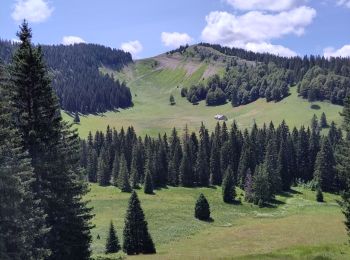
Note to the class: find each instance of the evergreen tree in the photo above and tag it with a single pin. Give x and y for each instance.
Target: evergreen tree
(103, 171)
(283, 166)
(148, 185)
(228, 186)
(325, 167)
(134, 174)
(261, 185)
(202, 165)
(319, 195)
(323, 121)
(115, 170)
(54, 152)
(186, 174)
(215, 171)
(22, 222)
(202, 208)
(248, 187)
(343, 164)
(172, 100)
(135, 235)
(270, 166)
(123, 176)
(112, 243)
(76, 118)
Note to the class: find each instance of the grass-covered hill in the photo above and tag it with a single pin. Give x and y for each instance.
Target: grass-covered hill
(153, 80)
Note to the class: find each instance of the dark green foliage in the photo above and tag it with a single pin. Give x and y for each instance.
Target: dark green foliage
(134, 173)
(248, 187)
(135, 235)
(103, 169)
(202, 209)
(228, 186)
(123, 176)
(76, 118)
(324, 173)
(148, 184)
(172, 100)
(22, 222)
(345, 205)
(261, 185)
(76, 77)
(54, 152)
(319, 195)
(323, 121)
(186, 169)
(115, 170)
(112, 243)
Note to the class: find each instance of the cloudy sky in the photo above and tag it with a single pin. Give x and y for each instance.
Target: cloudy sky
(149, 27)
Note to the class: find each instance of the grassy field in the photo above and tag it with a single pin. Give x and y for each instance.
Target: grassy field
(152, 84)
(296, 227)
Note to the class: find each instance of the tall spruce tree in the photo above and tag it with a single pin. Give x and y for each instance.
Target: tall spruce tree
(103, 169)
(112, 243)
(261, 186)
(123, 176)
(22, 222)
(202, 165)
(186, 170)
(135, 235)
(343, 163)
(202, 208)
(325, 167)
(148, 183)
(228, 186)
(54, 152)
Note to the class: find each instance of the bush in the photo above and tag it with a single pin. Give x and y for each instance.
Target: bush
(202, 209)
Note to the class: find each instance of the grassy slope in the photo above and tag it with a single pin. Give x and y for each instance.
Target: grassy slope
(297, 227)
(152, 84)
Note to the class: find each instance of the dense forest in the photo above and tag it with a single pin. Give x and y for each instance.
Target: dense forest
(273, 155)
(76, 78)
(269, 76)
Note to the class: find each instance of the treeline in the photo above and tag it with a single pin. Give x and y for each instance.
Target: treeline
(76, 78)
(276, 155)
(270, 76)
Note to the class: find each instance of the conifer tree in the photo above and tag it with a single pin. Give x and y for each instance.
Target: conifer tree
(148, 184)
(22, 222)
(343, 163)
(248, 187)
(112, 243)
(186, 173)
(103, 170)
(123, 176)
(319, 195)
(202, 208)
(325, 167)
(228, 186)
(261, 185)
(115, 170)
(202, 165)
(270, 166)
(134, 174)
(54, 152)
(172, 100)
(135, 235)
(76, 118)
(323, 121)
(215, 169)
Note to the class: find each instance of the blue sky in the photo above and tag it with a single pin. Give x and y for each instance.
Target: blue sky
(149, 27)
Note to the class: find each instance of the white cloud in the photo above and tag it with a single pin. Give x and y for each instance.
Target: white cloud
(133, 47)
(268, 5)
(345, 3)
(175, 39)
(70, 40)
(35, 11)
(254, 30)
(342, 52)
(264, 47)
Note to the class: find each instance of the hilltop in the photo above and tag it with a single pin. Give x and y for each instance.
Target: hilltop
(153, 80)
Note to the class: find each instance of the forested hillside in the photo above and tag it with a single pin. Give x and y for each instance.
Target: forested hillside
(76, 77)
(269, 76)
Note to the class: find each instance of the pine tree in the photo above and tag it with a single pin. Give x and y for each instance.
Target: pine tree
(202, 208)
(134, 174)
(112, 243)
(22, 222)
(270, 165)
(215, 171)
(319, 195)
(325, 167)
(248, 187)
(228, 186)
(323, 121)
(76, 118)
(261, 185)
(343, 164)
(54, 152)
(186, 173)
(202, 165)
(148, 185)
(115, 170)
(103, 170)
(135, 235)
(123, 176)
